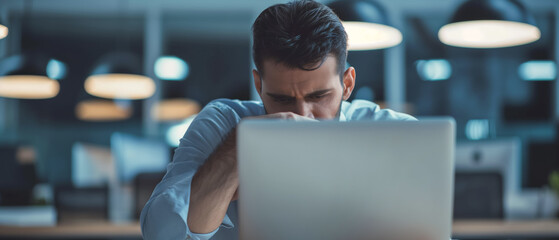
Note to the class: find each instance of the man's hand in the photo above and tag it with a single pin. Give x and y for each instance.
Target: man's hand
(216, 183)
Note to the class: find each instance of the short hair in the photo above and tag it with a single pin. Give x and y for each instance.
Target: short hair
(299, 34)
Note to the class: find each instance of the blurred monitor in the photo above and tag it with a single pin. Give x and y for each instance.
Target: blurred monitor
(92, 166)
(496, 155)
(485, 164)
(17, 175)
(134, 155)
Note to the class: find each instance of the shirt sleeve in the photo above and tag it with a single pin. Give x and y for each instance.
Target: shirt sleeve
(165, 214)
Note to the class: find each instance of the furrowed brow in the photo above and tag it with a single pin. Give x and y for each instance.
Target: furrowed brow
(280, 96)
(319, 92)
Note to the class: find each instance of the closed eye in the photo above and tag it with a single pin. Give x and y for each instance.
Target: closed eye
(317, 97)
(284, 100)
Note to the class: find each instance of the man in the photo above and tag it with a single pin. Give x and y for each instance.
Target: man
(300, 50)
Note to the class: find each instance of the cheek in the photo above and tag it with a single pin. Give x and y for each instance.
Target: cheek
(328, 108)
(272, 106)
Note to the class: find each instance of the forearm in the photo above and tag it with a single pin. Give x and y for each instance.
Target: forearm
(213, 188)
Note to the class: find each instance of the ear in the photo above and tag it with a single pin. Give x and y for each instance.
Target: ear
(257, 82)
(348, 82)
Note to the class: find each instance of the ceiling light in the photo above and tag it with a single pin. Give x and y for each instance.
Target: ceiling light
(3, 31)
(24, 77)
(118, 77)
(490, 24)
(366, 25)
(56, 69)
(171, 68)
(102, 110)
(538, 70)
(175, 109)
(477, 129)
(434, 69)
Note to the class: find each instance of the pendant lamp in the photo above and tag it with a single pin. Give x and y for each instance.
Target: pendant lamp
(25, 77)
(174, 106)
(102, 110)
(366, 24)
(490, 24)
(175, 109)
(117, 76)
(3, 30)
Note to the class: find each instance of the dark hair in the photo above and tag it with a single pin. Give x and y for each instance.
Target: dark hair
(299, 34)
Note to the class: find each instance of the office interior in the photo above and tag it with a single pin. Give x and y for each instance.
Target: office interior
(77, 156)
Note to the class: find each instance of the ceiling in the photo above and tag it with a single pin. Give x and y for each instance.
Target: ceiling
(112, 7)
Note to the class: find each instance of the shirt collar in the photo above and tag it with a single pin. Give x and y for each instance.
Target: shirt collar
(342, 117)
(343, 107)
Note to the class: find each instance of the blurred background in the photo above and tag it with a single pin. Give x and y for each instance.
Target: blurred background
(122, 80)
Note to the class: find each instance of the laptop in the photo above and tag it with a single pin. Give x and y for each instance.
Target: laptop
(346, 180)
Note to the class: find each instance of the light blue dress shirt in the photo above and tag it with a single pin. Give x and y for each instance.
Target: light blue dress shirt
(164, 216)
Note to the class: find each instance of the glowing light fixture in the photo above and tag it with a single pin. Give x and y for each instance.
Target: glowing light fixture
(102, 110)
(120, 86)
(171, 68)
(366, 25)
(24, 77)
(3, 31)
(477, 129)
(538, 71)
(175, 109)
(175, 133)
(434, 69)
(56, 69)
(118, 77)
(490, 24)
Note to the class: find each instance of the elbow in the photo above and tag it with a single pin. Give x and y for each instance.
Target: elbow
(161, 221)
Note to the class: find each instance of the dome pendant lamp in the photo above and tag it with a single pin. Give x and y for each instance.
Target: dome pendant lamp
(490, 24)
(3, 30)
(25, 77)
(175, 109)
(117, 76)
(174, 106)
(366, 25)
(102, 110)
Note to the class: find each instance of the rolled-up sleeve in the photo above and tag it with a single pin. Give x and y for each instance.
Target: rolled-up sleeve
(165, 214)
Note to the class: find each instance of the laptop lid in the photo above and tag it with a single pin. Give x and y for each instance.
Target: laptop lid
(346, 180)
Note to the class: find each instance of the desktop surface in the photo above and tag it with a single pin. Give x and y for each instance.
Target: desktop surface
(461, 229)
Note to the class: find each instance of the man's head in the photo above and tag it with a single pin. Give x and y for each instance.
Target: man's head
(300, 51)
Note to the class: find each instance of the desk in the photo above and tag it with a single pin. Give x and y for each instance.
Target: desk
(483, 229)
(92, 230)
(495, 229)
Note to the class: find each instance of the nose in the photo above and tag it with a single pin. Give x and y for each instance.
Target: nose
(304, 109)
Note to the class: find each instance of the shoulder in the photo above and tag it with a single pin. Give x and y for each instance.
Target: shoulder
(367, 110)
(233, 107)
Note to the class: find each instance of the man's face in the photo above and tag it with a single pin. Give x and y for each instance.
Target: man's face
(315, 94)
